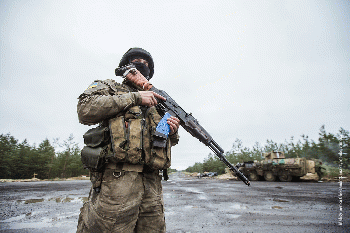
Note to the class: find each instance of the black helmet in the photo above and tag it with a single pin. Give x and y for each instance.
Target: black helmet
(138, 53)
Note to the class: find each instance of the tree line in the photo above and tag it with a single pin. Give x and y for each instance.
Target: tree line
(327, 148)
(19, 160)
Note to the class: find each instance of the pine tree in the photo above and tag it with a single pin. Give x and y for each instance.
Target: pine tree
(8, 151)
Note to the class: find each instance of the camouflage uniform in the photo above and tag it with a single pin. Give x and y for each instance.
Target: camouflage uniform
(130, 197)
(319, 171)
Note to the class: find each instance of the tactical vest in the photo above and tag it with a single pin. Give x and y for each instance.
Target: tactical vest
(131, 133)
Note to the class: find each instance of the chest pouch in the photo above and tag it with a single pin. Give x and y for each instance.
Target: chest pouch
(126, 136)
(160, 135)
(156, 143)
(93, 155)
(94, 158)
(96, 137)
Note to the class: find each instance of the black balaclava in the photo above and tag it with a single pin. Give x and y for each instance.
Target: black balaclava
(133, 53)
(144, 70)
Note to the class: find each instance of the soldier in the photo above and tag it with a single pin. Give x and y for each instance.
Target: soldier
(319, 171)
(126, 193)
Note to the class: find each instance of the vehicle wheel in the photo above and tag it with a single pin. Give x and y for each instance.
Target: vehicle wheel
(253, 176)
(284, 176)
(269, 176)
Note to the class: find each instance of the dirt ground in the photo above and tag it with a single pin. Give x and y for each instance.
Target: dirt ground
(191, 205)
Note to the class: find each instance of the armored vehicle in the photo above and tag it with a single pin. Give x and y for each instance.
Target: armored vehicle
(275, 165)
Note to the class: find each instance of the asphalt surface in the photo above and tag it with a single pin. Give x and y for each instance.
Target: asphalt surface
(191, 205)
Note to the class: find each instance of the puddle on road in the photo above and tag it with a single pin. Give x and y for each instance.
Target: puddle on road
(191, 206)
(30, 201)
(56, 199)
(278, 207)
(61, 199)
(26, 225)
(201, 195)
(13, 219)
(232, 215)
(279, 200)
(238, 206)
(20, 222)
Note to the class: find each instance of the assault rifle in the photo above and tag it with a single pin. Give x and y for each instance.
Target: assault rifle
(187, 121)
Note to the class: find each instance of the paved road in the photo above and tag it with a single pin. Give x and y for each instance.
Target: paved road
(192, 205)
(207, 205)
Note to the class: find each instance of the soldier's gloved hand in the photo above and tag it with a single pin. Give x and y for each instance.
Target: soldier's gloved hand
(174, 124)
(149, 98)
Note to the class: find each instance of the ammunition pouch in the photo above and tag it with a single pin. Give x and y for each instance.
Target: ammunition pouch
(159, 139)
(93, 155)
(127, 142)
(134, 139)
(96, 137)
(94, 158)
(160, 136)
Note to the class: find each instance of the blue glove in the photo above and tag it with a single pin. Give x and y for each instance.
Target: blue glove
(163, 127)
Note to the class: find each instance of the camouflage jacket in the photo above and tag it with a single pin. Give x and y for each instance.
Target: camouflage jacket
(131, 125)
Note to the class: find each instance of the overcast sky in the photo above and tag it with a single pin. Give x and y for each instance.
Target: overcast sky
(252, 70)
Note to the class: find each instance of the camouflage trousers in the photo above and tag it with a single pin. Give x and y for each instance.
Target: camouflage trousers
(132, 202)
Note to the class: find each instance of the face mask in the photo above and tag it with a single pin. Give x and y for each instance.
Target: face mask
(144, 70)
